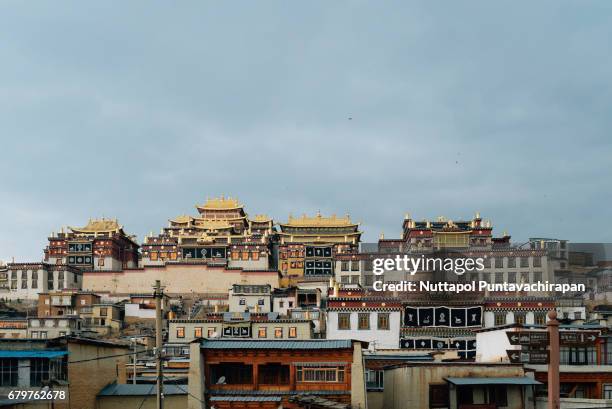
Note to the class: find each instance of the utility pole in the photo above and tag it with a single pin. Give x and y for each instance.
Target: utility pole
(134, 362)
(553, 365)
(158, 294)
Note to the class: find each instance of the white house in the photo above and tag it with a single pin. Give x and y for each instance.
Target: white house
(352, 315)
(250, 298)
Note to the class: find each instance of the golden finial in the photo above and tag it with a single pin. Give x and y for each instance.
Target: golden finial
(477, 215)
(382, 235)
(407, 216)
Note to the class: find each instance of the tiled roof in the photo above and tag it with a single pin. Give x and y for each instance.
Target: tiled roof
(312, 401)
(114, 389)
(245, 399)
(277, 344)
(229, 392)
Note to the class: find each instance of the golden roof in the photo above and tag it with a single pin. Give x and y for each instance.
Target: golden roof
(182, 219)
(98, 226)
(320, 221)
(219, 203)
(212, 224)
(261, 218)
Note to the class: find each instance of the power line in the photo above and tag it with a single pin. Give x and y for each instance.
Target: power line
(146, 396)
(186, 391)
(86, 360)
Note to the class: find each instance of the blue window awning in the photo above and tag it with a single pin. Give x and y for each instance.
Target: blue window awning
(520, 380)
(37, 353)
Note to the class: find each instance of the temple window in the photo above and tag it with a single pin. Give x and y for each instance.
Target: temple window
(292, 332)
(262, 332)
(319, 374)
(500, 318)
(383, 321)
(255, 255)
(520, 318)
(245, 255)
(278, 332)
(363, 319)
(537, 261)
(524, 262)
(344, 321)
(344, 266)
(511, 262)
(355, 265)
(197, 332)
(499, 277)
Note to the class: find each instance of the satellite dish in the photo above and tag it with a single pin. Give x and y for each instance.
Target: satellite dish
(221, 381)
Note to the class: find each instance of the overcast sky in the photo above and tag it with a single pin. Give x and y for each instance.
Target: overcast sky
(140, 110)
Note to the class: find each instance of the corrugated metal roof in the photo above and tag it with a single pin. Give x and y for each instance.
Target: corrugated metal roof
(317, 402)
(115, 389)
(32, 353)
(229, 392)
(422, 357)
(277, 344)
(521, 380)
(245, 399)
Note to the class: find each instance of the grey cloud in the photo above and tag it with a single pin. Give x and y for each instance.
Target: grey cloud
(140, 110)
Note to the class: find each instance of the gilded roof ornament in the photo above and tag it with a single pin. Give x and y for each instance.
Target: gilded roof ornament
(98, 226)
(262, 218)
(182, 219)
(222, 202)
(319, 221)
